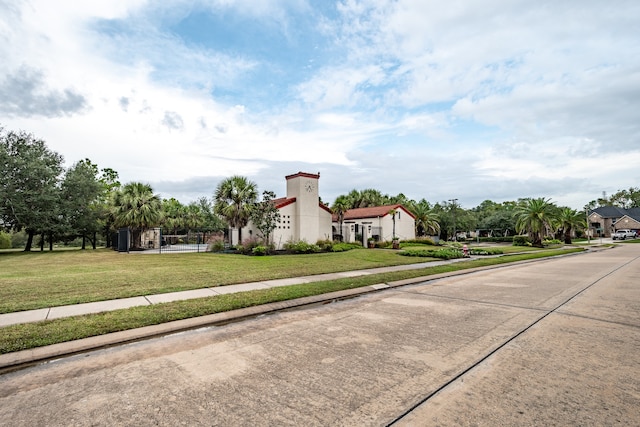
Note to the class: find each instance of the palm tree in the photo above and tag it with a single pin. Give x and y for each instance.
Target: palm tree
(173, 215)
(365, 198)
(136, 207)
(340, 207)
(393, 213)
(426, 218)
(569, 219)
(536, 217)
(233, 200)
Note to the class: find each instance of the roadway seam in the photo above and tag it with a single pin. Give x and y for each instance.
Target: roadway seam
(501, 346)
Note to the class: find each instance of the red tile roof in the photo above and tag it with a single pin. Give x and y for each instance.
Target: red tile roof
(304, 174)
(372, 212)
(283, 201)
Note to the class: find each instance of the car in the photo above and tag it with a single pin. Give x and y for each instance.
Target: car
(624, 234)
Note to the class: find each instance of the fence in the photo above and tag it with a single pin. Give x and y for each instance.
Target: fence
(154, 240)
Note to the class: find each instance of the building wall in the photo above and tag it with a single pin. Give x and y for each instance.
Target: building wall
(304, 188)
(369, 227)
(324, 225)
(627, 222)
(405, 226)
(285, 231)
(303, 219)
(606, 225)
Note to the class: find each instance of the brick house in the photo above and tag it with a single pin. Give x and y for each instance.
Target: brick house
(605, 220)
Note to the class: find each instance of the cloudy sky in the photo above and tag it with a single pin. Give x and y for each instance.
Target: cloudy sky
(499, 99)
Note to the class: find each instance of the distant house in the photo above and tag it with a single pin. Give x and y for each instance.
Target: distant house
(358, 225)
(302, 216)
(605, 220)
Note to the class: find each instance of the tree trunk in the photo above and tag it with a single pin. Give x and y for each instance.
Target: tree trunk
(27, 247)
(42, 242)
(567, 237)
(107, 234)
(50, 242)
(537, 240)
(93, 242)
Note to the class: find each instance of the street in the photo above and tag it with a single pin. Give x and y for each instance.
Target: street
(551, 342)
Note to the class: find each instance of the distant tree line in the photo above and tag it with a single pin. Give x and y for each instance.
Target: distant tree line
(537, 217)
(46, 202)
(43, 200)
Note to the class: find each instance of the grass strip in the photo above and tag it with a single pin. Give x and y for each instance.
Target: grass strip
(49, 279)
(31, 335)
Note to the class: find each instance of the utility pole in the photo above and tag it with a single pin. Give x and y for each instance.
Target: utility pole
(453, 202)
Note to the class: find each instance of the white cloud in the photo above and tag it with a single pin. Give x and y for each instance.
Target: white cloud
(507, 97)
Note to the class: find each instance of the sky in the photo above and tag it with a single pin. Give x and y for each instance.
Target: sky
(494, 100)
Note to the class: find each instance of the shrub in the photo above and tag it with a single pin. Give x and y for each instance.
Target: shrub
(260, 250)
(486, 251)
(5, 240)
(342, 247)
(325, 245)
(497, 239)
(521, 241)
(19, 239)
(438, 253)
(552, 242)
(301, 247)
(247, 245)
(215, 243)
(421, 241)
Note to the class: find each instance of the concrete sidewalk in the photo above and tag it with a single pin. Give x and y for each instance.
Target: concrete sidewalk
(52, 313)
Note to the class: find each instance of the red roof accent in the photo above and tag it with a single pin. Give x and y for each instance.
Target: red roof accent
(283, 201)
(303, 174)
(372, 212)
(325, 207)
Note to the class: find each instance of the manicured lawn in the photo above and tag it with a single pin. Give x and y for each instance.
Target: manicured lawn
(48, 279)
(31, 335)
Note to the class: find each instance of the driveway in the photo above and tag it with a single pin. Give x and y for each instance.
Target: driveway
(554, 342)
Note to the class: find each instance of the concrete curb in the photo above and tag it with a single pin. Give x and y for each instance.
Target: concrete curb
(20, 359)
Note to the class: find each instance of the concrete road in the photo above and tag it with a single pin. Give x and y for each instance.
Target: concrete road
(555, 342)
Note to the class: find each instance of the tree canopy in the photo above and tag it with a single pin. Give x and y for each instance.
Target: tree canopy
(29, 197)
(136, 207)
(234, 198)
(265, 216)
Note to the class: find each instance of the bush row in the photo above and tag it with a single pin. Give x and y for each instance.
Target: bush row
(449, 253)
(256, 247)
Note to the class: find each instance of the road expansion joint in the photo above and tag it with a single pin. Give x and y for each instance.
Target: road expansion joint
(512, 338)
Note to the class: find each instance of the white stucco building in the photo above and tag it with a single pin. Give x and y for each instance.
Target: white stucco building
(302, 216)
(377, 222)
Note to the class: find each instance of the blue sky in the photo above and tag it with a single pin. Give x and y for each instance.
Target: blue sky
(496, 100)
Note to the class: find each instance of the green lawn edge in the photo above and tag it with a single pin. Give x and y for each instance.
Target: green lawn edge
(32, 335)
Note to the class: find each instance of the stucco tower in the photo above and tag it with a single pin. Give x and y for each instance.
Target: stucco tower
(304, 188)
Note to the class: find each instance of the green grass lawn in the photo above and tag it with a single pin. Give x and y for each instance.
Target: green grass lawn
(47, 279)
(31, 335)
